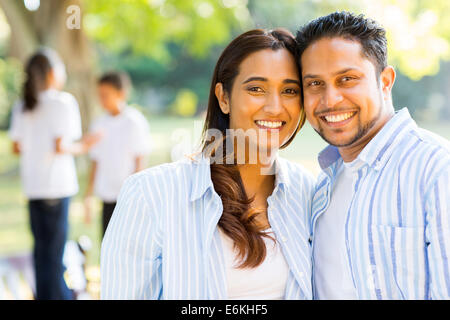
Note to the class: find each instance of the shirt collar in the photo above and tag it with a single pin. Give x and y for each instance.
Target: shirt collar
(281, 172)
(379, 149)
(201, 174)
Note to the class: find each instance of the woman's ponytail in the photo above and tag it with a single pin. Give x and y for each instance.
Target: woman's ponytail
(36, 70)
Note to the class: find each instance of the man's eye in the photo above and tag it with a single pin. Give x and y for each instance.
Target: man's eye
(314, 83)
(346, 79)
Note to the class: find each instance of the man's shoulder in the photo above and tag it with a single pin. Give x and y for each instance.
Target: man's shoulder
(434, 140)
(435, 147)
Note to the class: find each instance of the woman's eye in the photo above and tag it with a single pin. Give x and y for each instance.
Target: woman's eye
(255, 89)
(291, 91)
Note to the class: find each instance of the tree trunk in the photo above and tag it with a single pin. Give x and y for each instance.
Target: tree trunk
(47, 27)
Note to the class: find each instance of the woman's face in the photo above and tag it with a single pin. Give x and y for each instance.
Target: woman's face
(265, 98)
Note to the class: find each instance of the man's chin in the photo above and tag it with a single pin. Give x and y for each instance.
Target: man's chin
(339, 142)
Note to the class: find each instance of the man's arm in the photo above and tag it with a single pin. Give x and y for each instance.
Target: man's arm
(438, 236)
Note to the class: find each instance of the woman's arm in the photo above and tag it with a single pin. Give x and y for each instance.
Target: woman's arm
(16, 147)
(131, 249)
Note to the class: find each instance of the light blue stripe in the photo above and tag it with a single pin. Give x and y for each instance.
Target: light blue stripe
(442, 241)
(395, 196)
(163, 241)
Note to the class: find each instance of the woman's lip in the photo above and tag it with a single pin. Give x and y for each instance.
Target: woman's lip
(283, 123)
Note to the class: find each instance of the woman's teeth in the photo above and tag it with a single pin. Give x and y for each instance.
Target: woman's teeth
(339, 117)
(270, 124)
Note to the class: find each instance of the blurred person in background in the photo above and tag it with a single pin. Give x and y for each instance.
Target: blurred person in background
(124, 146)
(45, 126)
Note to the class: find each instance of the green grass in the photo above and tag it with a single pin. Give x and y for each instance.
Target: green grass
(15, 235)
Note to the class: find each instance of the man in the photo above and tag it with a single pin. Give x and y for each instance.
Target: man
(381, 212)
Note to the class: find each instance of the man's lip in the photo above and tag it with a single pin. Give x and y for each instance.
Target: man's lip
(333, 113)
(339, 123)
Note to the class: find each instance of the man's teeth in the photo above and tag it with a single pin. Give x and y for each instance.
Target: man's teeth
(270, 124)
(339, 117)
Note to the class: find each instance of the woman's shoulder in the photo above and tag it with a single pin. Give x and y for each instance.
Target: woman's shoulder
(297, 170)
(60, 98)
(170, 175)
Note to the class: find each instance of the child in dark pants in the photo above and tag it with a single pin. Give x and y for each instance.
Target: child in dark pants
(124, 145)
(45, 130)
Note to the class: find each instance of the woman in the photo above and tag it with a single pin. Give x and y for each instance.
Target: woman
(44, 126)
(221, 225)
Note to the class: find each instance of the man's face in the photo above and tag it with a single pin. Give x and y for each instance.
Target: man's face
(343, 100)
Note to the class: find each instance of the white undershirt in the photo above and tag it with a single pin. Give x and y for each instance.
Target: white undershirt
(265, 282)
(332, 275)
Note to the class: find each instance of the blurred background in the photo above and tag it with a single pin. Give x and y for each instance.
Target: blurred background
(169, 49)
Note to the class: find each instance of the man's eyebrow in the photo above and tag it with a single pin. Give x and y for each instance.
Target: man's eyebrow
(312, 76)
(265, 80)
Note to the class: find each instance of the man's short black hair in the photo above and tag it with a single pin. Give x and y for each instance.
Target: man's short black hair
(367, 32)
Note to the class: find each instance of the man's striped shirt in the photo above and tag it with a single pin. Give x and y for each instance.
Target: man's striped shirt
(397, 229)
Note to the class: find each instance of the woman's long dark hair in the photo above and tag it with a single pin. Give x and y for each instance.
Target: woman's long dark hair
(238, 218)
(36, 70)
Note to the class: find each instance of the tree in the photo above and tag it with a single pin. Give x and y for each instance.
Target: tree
(48, 26)
(147, 27)
(418, 31)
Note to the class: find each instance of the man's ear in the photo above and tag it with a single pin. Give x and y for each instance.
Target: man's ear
(222, 97)
(387, 78)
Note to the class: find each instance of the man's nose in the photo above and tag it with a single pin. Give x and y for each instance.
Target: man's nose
(332, 96)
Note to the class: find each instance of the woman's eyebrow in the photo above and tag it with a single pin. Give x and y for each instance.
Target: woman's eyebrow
(291, 81)
(265, 79)
(254, 79)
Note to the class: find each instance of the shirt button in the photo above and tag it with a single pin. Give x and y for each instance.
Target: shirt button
(301, 274)
(284, 239)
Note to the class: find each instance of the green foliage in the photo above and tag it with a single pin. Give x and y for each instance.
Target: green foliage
(149, 26)
(185, 103)
(418, 31)
(11, 79)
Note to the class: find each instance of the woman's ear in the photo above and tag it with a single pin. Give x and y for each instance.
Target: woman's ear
(222, 97)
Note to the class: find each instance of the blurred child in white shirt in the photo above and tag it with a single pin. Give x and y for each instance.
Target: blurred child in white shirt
(124, 146)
